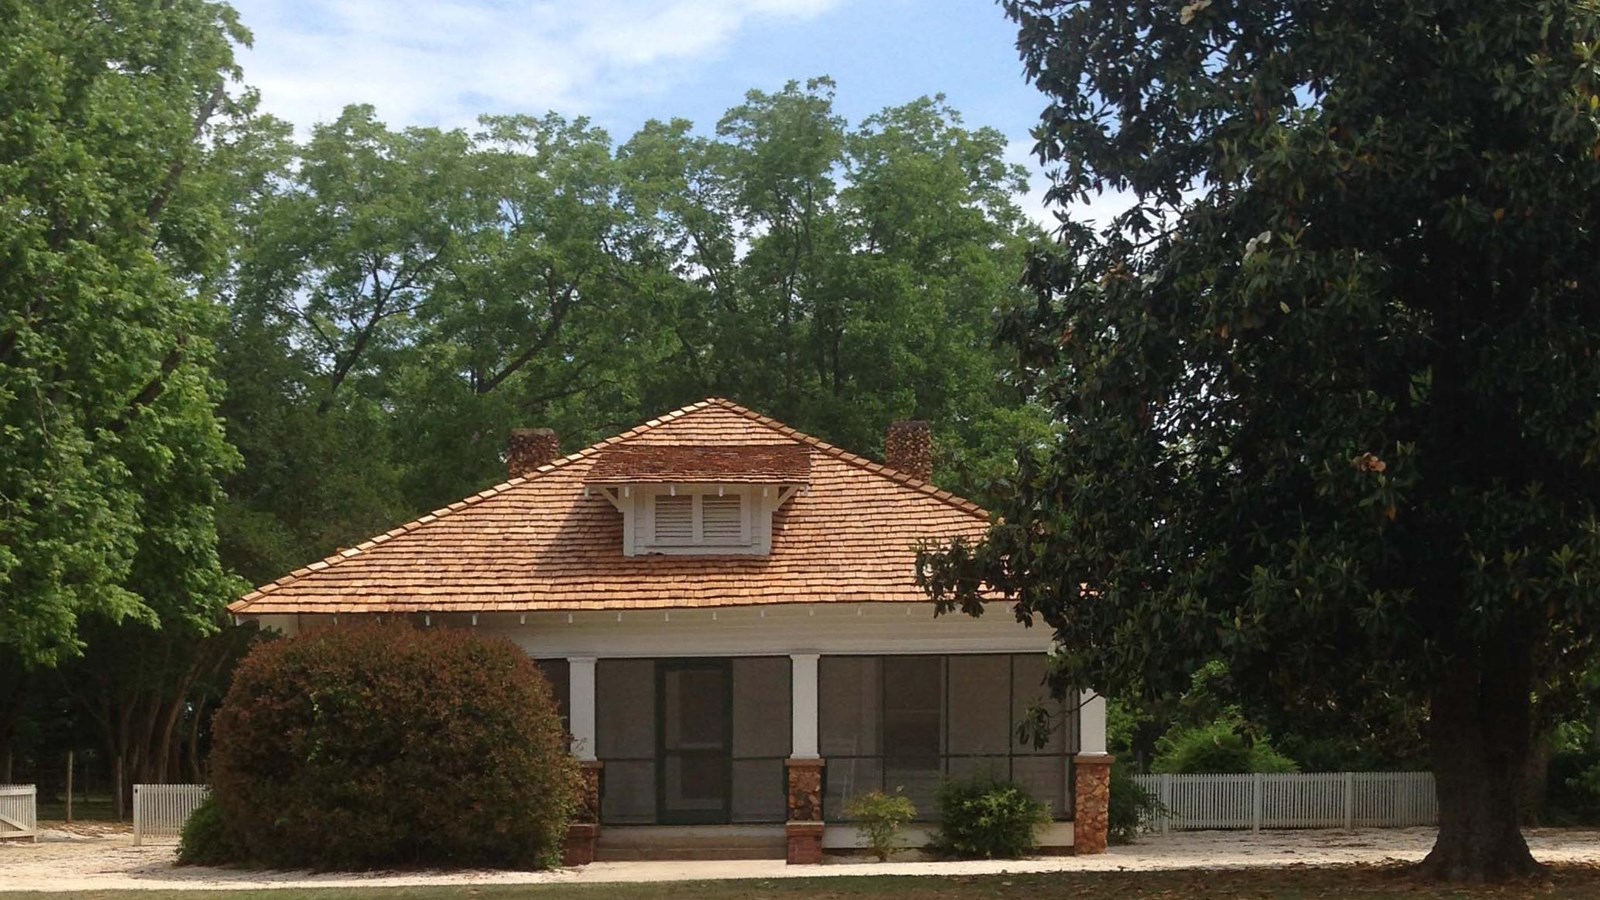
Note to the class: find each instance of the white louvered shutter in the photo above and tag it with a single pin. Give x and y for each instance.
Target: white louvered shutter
(722, 519)
(674, 519)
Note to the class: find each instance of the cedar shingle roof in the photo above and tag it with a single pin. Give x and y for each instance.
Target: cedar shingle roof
(699, 464)
(543, 542)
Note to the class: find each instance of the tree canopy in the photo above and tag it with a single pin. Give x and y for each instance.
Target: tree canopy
(1327, 393)
(400, 299)
(110, 451)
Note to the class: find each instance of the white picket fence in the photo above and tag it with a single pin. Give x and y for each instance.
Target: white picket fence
(159, 810)
(1310, 800)
(19, 811)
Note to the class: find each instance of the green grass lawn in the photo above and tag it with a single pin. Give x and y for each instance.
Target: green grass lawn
(98, 808)
(1288, 883)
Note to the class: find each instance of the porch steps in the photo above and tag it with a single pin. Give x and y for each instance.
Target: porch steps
(628, 843)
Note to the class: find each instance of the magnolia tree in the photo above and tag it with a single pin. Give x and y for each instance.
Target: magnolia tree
(1327, 393)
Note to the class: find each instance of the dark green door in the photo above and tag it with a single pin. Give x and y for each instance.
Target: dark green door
(694, 706)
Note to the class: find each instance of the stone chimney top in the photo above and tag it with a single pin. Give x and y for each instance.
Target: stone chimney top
(529, 448)
(908, 447)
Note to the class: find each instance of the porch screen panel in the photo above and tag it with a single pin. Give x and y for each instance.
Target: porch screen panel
(849, 691)
(909, 722)
(1029, 690)
(559, 674)
(980, 725)
(913, 732)
(762, 722)
(625, 739)
(849, 697)
(1043, 770)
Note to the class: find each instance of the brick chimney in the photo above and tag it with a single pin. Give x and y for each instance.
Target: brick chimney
(908, 447)
(529, 448)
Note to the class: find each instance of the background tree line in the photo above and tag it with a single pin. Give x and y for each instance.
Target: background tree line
(398, 299)
(227, 350)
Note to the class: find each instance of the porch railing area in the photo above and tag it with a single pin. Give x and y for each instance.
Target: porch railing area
(19, 811)
(160, 810)
(1297, 800)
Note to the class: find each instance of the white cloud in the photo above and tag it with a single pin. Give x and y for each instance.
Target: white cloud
(445, 61)
(1098, 211)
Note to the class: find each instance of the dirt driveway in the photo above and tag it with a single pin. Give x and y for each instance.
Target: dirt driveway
(105, 859)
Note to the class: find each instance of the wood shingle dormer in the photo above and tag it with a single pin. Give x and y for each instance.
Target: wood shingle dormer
(699, 499)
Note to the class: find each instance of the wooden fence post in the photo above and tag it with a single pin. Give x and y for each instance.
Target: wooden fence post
(1255, 802)
(1166, 803)
(1349, 800)
(69, 787)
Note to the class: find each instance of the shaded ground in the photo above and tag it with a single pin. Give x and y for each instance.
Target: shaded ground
(1567, 881)
(100, 861)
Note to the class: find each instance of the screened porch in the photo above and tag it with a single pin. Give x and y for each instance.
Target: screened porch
(697, 741)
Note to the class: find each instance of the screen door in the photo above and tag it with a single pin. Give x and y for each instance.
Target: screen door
(694, 700)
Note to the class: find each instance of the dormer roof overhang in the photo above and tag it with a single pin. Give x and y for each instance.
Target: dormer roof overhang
(667, 464)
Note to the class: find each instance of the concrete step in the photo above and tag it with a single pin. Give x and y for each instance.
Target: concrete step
(688, 853)
(690, 842)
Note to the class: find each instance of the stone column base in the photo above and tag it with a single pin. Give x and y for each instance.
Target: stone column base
(805, 843)
(581, 840)
(1091, 817)
(584, 832)
(589, 770)
(805, 811)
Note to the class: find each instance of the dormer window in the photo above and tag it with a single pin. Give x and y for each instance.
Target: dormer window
(693, 499)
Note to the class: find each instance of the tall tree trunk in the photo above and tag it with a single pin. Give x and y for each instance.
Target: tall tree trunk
(1536, 775)
(168, 766)
(196, 772)
(119, 779)
(1479, 731)
(13, 692)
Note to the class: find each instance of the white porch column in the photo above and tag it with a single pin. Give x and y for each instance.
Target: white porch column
(803, 682)
(1092, 724)
(580, 705)
(1091, 789)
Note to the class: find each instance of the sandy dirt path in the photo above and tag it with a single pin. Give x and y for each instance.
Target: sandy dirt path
(105, 859)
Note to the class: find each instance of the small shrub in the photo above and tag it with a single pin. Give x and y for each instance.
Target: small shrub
(1216, 748)
(360, 746)
(986, 818)
(881, 817)
(1131, 806)
(1572, 789)
(206, 840)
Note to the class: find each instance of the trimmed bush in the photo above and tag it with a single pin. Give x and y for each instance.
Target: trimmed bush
(881, 817)
(1216, 748)
(366, 745)
(986, 818)
(206, 840)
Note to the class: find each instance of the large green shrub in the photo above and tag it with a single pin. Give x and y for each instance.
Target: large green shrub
(1214, 748)
(986, 818)
(377, 745)
(1130, 805)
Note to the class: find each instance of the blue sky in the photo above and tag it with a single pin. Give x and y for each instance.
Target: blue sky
(622, 62)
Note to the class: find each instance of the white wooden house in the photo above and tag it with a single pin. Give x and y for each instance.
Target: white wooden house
(727, 609)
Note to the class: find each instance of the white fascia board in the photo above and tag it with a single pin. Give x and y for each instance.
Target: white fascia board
(823, 628)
